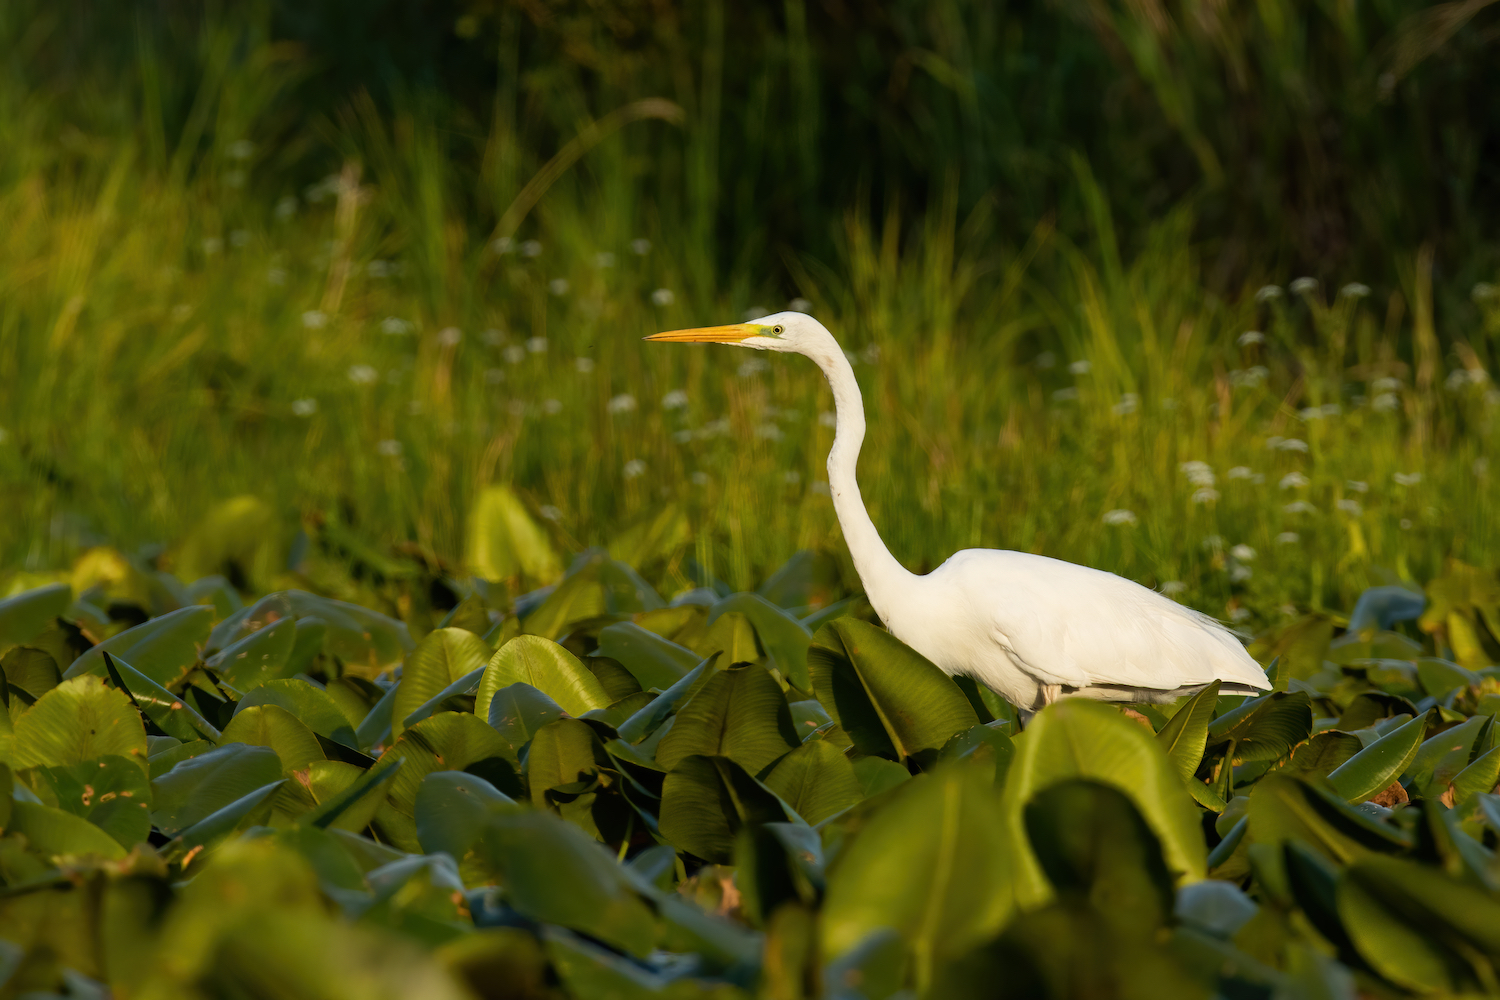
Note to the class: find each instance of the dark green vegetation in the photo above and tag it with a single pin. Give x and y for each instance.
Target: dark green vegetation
(592, 793)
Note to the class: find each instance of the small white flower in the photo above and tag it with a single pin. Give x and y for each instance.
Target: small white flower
(415, 407)
(285, 208)
(792, 477)
(1251, 337)
(1080, 367)
(1293, 480)
(821, 487)
(1239, 574)
(827, 419)
(799, 305)
(1351, 507)
(674, 400)
(493, 337)
(1293, 444)
(1274, 441)
(494, 376)
(622, 403)
(558, 286)
(1332, 409)
(449, 336)
(1121, 516)
(584, 365)
(531, 248)
(1046, 360)
(241, 149)
(363, 375)
(1065, 395)
(1405, 524)
(516, 407)
(1127, 404)
(1385, 384)
(682, 436)
(395, 326)
(514, 354)
(1300, 507)
(1304, 286)
(550, 512)
(314, 319)
(1267, 293)
(389, 448)
(1241, 472)
(1311, 413)
(754, 313)
(604, 259)
(1385, 402)
(1198, 473)
(1407, 478)
(633, 468)
(1288, 538)
(1355, 290)
(552, 407)
(1205, 495)
(536, 345)
(276, 276)
(715, 428)
(752, 367)
(768, 431)
(239, 238)
(1172, 587)
(380, 269)
(212, 245)
(1484, 291)
(305, 407)
(1456, 380)
(1212, 543)
(1239, 614)
(1242, 552)
(503, 245)
(640, 247)
(871, 354)
(699, 478)
(663, 297)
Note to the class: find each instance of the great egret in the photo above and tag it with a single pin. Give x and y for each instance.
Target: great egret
(1031, 628)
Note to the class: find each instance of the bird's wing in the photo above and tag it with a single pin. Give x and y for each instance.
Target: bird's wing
(1072, 625)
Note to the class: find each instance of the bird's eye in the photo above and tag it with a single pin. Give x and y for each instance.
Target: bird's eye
(778, 330)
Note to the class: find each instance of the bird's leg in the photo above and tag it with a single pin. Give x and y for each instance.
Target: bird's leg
(1050, 693)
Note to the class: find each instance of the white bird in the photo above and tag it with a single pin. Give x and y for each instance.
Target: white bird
(1031, 628)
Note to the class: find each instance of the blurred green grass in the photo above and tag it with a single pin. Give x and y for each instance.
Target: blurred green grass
(181, 323)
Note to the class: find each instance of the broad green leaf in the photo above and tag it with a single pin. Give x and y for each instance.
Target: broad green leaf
(648, 719)
(56, 832)
(733, 636)
(518, 711)
(655, 662)
(1284, 808)
(889, 699)
(174, 716)
(267, 611)
(776, 864)
(546, 666)
(375, 727)
(504, 542)
(261, 656)
(553, 872)
(347, 797)
(223, 821)
(31, 669)
(1439, 677)
(465, 685)
(783, 637)
(209, 781)
(451, 810)
(739, 713)
(1323, 753)
(112, 793)
(932, 865)
(563, 753)
(1420, 928)
(707, 801)
(815, 779)
(361, 638)
(1302, 644)
(310, 704)
(80, 719)
(1264, 728)
(169, 758)
(449, 741)
(273, 726)
(27, 613)
(1373, 769)
(1083, 739)
(877, 775)
(1445, 753)
(1185, 735)
(163, 648)
(445, 655)
(1479, 777)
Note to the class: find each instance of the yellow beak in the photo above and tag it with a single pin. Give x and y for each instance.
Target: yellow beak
(732, 334)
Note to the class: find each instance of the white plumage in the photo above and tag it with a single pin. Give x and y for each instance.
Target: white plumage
(1031, 628)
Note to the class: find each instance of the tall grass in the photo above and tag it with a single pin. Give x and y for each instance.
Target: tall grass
(179, 324)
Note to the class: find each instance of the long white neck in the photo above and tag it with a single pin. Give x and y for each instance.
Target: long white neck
(881, 574)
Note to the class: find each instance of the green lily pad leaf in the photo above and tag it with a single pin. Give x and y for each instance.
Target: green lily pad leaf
(1439, 677)
(273, 726)
(733, 636)
(877, 775)
(310, 704)
(890, 700)
(707, 801)
(27, 613)
(375, 727)
(1373, 769)
(465, 685)
(1264, 728)
(1323, 753)
(564, 754)
(80, 719)
(347, 797)
(170, 713)
(163, 648)
(452, 808)
(358, 636)
(203, 784)
(169, 758)
(518, 711)
(222, 822)
(1083, 739)
(932, 864)
(1284, 808)
(1444, 755)
(1420, 928)
(783, 637)
(649, 719)
(776, 864)
(546, 666)
(504, 542)
(1479, 777)
(449, 741)
(113, 793)
(267, 611)
(1185, 736)
(31, 669)
(444, 656)
(739, 713)
(261, 656)
(654, 661)
(553, 872)
(56, 832)
(817, 780)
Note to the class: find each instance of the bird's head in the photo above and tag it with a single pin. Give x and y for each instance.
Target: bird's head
(789, 332)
